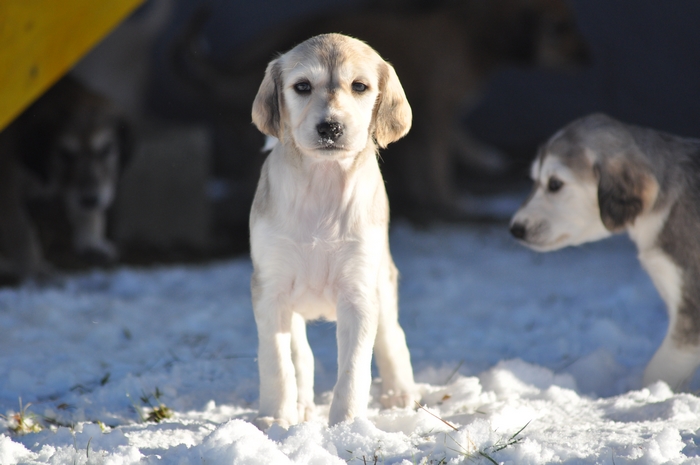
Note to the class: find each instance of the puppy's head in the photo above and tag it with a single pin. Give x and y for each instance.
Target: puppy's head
(331, 96)
(590, 181)
(531, 32)
(558, 42)
(88, 156)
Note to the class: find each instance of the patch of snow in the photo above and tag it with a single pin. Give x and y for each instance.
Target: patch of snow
(522, 358)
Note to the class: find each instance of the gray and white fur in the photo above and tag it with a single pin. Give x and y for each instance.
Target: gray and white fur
(598, 176)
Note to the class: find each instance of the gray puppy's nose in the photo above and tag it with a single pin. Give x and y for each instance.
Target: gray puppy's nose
(330, 130)
(518, 230)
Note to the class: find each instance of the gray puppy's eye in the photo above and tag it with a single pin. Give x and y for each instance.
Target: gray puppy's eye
(554, 184)
(302, 87)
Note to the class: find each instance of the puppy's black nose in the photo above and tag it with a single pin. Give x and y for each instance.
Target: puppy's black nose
(330, 130)
(89, 201)
(518, 230)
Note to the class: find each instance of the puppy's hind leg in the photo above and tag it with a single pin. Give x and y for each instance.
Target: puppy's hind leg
(303, 360)
(278, 388)
(390, 349)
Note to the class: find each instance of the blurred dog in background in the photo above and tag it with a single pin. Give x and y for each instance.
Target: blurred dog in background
(445, 52)
(70, 146)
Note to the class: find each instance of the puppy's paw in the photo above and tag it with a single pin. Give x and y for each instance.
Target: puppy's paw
(264, 423)
(39, 272)
(401, 399)
(306, 411)
(99, 253)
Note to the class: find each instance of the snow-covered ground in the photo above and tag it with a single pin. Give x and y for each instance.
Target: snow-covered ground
(528, 358)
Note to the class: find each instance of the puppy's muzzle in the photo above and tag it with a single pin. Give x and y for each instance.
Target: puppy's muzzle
(330, 131)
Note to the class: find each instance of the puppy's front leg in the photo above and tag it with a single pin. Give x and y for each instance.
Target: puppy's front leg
(278, 388)
(303, 360)
(89, 237)
(356, 330)
(390, 349)
(673, 364)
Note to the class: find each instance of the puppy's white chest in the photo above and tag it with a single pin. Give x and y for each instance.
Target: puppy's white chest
(317, 264)
(319, 241)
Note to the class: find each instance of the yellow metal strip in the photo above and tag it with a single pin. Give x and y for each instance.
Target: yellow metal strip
(40, 40)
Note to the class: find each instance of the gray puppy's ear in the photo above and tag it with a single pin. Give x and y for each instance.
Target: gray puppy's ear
(268, 102)
(625, 190)
(392, 113)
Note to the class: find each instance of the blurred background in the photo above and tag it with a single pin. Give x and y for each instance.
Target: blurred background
(183, 73)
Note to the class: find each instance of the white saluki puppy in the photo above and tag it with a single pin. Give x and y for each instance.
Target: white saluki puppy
(319, 228)
(598, 176)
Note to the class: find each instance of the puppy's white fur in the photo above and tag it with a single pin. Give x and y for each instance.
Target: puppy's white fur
(319, 229)
(611, 177)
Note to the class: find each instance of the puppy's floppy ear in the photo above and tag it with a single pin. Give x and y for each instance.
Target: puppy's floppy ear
(392, 113)
(625, 190)
(267, 104)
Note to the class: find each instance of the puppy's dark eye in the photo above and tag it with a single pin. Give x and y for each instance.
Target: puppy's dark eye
(554, 184)
(302, 87)
(358, 87)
